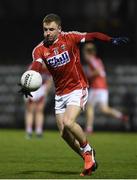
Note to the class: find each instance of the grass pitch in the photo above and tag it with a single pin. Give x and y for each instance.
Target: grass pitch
(51, 158)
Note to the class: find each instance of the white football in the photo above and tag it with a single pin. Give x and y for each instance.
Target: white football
(31, 80)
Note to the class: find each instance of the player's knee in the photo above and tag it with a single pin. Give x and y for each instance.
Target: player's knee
(39, 109)
(104, 109)
(68, 123)
(29, 110)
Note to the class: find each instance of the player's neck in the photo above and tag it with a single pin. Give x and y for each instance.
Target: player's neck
(56, 40)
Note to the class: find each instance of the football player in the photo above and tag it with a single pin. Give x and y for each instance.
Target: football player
(98, 88)
(60, 52)
(34, 112)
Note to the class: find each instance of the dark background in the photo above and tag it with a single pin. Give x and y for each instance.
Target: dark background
(21, 30)
(21, 25)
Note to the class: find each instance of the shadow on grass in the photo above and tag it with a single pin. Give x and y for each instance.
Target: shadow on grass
(48, 171)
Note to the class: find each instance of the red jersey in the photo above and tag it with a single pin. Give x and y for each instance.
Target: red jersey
(62, 59)
(98, 81)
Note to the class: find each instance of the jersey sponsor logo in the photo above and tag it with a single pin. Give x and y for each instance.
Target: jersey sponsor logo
(59, 60)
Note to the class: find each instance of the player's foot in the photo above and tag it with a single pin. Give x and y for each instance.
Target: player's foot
(125, 118)
(28, 136)
(86, 172)
(39, 135)
(90, 164)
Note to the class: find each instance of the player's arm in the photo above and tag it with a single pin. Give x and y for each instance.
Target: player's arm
(96, 70)
(97, 35)
(36, 65)
(37, 60)
(104, 37)
(83, 37)
(95, 73)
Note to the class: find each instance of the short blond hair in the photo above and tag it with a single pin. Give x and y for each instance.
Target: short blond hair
(52, 18)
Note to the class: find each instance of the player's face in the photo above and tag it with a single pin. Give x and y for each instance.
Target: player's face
(51, 31)
(88, 51)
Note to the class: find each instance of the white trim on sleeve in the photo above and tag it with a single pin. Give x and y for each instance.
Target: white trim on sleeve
(83, 40)
(39, 60)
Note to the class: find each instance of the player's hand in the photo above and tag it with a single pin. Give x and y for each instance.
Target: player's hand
(24, 91)
(119, 40)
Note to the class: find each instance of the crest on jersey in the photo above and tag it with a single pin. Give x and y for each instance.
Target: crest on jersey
(63, 47)
(59, 60)
(56, 51)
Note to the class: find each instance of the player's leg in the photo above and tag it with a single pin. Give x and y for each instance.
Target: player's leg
(92, 97)
(29, 117)
(69, 121)
(60, 106)
(70, 115)
(39, 117)
(66, 135)
(89, 118)
(70, 106)
(106, 109)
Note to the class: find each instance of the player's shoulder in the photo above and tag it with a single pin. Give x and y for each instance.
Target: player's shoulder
(38, 46)
(72, 33)
(99, 59)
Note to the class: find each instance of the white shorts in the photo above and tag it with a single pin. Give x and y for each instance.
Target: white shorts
(77, 97)
(98, 97)
(37, 95)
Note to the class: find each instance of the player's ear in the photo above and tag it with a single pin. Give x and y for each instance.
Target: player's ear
(59, 28)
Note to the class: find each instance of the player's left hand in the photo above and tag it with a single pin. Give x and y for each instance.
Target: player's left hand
(24, 91)
(119, 40)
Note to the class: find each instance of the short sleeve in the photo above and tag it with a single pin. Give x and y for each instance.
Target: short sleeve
(36, 54)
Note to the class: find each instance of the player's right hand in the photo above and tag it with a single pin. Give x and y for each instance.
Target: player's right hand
(24, 91)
